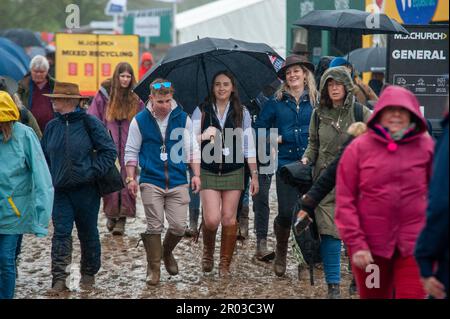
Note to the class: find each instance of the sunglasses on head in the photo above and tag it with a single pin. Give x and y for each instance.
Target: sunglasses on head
(158, 86)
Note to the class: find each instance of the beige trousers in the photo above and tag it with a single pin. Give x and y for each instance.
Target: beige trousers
(174, 202)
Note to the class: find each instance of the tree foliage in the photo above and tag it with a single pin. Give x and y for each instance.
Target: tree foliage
(50, 15)
(47, 15)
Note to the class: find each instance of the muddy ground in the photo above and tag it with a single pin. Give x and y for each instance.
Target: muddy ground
(122, 274)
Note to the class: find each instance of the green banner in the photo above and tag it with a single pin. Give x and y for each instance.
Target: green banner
(154, 24)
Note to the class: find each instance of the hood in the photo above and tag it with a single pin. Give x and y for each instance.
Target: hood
(339, 74)
(8, 109)
(146, 56)
(399, 96)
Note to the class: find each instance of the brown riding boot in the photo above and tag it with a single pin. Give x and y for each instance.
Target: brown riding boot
(170, 241)
(282, 236)
(243, 223)
(153, 249)
(228, 243)
(209, 244)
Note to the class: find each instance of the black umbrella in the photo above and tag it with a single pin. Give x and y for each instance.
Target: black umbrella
(191, 66)
(368, 59)
(23, 37)
(350, 20)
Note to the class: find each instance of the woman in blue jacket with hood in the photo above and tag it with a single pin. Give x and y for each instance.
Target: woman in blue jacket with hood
(289, 111)
(26, 191)
(69, 143)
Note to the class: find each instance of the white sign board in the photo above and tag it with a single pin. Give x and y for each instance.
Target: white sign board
(147, 26)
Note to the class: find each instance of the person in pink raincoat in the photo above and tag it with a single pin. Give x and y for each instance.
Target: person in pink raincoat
(381, 192)
(115, 104)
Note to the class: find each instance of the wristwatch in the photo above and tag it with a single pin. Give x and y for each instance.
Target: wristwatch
(128, 180)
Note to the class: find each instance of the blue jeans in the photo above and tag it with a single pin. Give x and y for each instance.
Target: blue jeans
(287, 199)
(19, 246)
(80, 206)
(261, 206)
(8, 244)
(330, 250)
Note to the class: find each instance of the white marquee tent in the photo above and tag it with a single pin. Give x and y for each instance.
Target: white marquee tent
(248, 20)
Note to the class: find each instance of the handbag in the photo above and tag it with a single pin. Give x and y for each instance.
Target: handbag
(110, 182)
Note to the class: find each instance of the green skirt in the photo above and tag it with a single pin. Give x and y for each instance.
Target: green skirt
(230, 181)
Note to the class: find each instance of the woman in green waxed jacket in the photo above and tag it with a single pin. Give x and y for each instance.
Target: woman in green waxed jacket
(337, 110)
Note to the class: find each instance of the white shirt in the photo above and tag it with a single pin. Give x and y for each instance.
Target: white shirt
(248, 142)
(134, 142)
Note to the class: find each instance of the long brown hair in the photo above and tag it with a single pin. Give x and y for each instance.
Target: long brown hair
(234, 98)
(325, 100)
(124, 103)
(6, 129)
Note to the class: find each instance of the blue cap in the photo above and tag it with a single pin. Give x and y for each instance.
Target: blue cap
(339, 61)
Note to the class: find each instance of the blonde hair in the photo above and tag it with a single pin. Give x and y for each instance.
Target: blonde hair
(310, 83)
(6, 129)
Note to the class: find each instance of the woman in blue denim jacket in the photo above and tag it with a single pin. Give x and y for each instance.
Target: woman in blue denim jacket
(289, 111)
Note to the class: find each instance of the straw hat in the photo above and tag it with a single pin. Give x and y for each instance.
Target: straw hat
(64, 90)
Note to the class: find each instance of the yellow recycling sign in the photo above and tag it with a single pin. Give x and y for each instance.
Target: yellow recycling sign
(89, 59)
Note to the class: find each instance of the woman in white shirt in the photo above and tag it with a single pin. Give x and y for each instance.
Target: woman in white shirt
(223, 127)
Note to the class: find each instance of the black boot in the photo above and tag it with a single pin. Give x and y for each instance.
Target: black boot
(352, 289)
(334, 291)
(193, 223)
(282, 236)
(243, 223)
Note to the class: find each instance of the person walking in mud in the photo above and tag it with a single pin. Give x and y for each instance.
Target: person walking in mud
(26, 191)
(289, 110)
(330, 121)
(115, 105)
(156, 136)
(225, 122)
(68, 143)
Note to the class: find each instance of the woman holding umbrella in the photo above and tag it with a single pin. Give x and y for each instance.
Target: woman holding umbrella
(290, 112)
(223, 127)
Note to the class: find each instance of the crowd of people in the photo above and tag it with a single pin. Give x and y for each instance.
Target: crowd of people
(375, 189)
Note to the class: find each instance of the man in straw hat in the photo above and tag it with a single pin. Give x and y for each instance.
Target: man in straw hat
(69, 142)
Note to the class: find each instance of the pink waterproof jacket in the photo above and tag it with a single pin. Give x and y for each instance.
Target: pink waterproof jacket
(381, 188)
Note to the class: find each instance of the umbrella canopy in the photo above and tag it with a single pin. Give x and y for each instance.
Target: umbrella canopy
(191, 67)
(368, 59)
(15, 50)
(10, 66)
(350, 20)
(23, 37)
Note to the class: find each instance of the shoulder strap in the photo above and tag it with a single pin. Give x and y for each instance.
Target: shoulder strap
(24, 118)
(317, 123)
(358, 112)
(104, 92)
(363, 91)
(88, 128)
